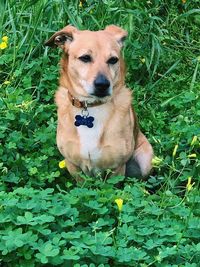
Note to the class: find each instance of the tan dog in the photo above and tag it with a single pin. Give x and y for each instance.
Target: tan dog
(97, 127)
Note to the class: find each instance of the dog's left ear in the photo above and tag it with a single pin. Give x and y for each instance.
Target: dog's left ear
(119, 34)
(61, 37)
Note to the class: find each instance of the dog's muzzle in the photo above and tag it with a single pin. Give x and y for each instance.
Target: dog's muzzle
(101, 86)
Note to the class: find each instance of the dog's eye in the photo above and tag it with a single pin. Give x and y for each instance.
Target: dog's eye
(85, 58)
(112, 60)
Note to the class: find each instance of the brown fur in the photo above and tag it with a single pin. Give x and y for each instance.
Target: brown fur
(120, 145)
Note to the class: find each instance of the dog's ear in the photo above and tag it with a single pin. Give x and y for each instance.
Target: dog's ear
(119, 34)
(61, 37)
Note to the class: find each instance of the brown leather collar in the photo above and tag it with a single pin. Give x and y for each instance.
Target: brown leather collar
(82, 104)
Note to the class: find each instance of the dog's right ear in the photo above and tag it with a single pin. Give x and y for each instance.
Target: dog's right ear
(61, 37)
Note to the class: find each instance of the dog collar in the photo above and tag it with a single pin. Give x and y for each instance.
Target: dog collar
(83, 119)
(82, 104)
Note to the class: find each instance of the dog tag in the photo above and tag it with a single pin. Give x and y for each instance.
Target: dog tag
(84, 120)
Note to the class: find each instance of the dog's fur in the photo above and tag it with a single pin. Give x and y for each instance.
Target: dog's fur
(115, 142)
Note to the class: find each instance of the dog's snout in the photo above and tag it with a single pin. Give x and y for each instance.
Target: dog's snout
(101, 82)
(101, 85)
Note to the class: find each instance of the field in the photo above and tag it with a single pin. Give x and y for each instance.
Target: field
(46, 218)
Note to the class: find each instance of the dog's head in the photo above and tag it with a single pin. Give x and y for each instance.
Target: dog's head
(91, 65)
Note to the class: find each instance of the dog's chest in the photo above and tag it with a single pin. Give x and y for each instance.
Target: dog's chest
(89, 138)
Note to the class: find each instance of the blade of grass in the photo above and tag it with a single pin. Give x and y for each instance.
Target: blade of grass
(166, 73)
(194, 76)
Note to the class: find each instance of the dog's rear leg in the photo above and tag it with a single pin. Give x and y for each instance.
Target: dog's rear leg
(139, 165)
(119, 171)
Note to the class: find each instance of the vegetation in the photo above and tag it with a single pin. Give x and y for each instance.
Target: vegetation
(48, 219)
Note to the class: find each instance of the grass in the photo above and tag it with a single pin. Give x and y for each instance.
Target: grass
(48, 219)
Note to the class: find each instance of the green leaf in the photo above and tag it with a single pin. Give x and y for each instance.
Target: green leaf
(71, 254)
(18, 242)
(115, 179)
(71, 235)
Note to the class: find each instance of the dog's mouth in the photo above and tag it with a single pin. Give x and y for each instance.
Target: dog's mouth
(101, 93)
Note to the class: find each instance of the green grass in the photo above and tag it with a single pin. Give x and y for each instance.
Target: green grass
(48, 219)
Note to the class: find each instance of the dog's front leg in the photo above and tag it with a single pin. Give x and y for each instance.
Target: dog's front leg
(74, 171)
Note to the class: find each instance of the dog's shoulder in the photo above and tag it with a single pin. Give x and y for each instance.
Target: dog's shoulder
(123, 99)
(61, 97)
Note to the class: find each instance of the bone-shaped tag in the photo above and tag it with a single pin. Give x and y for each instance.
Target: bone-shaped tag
(84, 120)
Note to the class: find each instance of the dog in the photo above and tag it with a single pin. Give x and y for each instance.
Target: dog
(97, 126)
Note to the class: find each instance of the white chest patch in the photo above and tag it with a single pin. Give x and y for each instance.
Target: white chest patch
(89, 137)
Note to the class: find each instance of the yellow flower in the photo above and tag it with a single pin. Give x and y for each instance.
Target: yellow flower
(6, 82)
(192, 155)
(194, 139)
(174, 151)
(184, 1)
(119, 203)
(62, 164)
(3, 45)
(189, 184)
(80, 4)
(145, 191)
(5, 39)
(156, 161)
(143, 60)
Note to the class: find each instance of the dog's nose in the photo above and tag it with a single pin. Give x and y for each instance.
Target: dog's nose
(101, 85)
